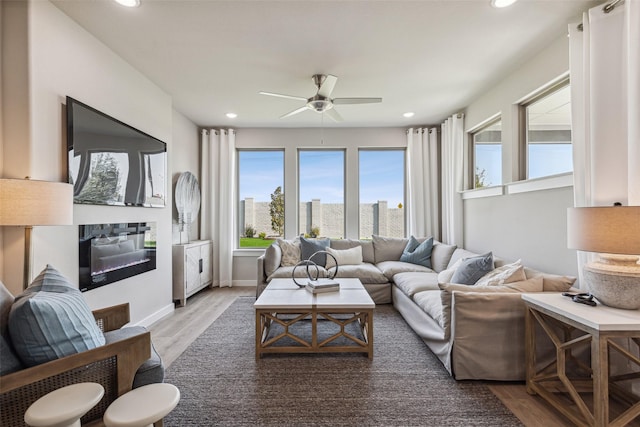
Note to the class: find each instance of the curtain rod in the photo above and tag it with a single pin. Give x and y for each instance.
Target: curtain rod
(609, 7)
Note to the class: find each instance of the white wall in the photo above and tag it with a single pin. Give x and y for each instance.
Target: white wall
(532, 225)
(349, 139)
(185, 157)
(64, 60)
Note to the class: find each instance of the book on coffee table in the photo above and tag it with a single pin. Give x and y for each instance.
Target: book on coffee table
(322, 285)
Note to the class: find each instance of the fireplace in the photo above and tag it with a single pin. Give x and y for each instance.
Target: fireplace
(112, 252)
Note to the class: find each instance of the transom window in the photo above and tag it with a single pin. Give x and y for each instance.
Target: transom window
(487, 154)
(547, 121)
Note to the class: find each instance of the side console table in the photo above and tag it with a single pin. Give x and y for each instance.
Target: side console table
(192, 269)
(571, 327)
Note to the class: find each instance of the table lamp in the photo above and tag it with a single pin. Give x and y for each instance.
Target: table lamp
(614, 233)
(26, 202)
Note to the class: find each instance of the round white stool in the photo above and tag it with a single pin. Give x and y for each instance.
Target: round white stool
(65, 406)
(142, 406)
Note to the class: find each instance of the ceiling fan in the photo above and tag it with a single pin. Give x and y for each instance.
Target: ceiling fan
(322, 102)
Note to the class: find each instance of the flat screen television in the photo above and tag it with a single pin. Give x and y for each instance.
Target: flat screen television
(112, 163)
(112, 252)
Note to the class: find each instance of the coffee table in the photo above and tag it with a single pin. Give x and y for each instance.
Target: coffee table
(284, 304)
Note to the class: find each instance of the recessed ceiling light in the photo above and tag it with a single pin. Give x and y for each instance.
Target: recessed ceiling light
(129, 3)
(409, 114)
(232, 115)
(502, 3)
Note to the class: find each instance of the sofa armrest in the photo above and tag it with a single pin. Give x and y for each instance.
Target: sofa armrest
(487, 333)
(262, 276)
(112, 318)
(113, 365)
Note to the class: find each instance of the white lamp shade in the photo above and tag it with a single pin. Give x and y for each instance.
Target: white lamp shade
(612, 230)
(30, 202)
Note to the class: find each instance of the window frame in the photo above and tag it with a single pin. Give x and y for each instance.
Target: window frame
(239, 226)
(404, 183)
(344, 186)
(472, 151)
(523, 125)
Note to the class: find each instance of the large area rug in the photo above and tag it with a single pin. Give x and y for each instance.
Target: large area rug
(221, 383)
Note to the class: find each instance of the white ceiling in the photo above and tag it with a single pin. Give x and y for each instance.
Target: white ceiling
(432, 57)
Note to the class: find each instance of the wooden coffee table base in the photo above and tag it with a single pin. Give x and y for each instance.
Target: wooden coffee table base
(286, 318)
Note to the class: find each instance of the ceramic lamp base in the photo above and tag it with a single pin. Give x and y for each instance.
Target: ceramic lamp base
(614, 284)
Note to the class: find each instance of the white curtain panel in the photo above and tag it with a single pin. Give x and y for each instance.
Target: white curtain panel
(422, 180)
(605, 102)
(452, 146)
(218, 200)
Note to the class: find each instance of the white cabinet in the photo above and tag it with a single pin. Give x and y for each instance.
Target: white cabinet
(192, 268)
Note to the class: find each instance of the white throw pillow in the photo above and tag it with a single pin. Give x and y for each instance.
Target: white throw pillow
(445, 276)
(508, 273)
(290, 252)
(351, 256)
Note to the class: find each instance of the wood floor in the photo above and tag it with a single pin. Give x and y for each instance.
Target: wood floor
(173, 334)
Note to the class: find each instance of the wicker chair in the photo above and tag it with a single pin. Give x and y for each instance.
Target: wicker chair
(113, 365)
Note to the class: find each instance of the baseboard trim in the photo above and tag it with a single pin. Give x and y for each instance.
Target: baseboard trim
(154, 317)
(244, 283)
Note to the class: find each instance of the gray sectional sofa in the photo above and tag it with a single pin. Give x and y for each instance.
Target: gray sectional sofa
(477, 332)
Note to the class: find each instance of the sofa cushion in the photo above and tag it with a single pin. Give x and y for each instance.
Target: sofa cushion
(367, 273)
(418, 253)
(508, 273)
(290, 252)
(51, 319)
(447, 289)
(152, 370)
(551, 282)
(310, 246)
(441, 255)
(459, 254)
(272, 259)
(445, 276)
(388, 248)
(301, 271)
(366, 245)
(472, 269)
(391, 268)
(431, 303)
(352, 256)
(412, 283)
(9, 361)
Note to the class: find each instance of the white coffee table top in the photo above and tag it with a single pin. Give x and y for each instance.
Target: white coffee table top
(284, 294)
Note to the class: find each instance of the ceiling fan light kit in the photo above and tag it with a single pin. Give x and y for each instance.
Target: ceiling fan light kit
(322, 102)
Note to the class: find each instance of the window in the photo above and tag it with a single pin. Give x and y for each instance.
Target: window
(321, 193)
(487, 155)
(382, 179)
(261, 194)
(547, 119)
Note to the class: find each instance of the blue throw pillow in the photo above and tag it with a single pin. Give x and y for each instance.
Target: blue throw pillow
(472, 269)
(418, 253)
(51, 319)
(310, 246)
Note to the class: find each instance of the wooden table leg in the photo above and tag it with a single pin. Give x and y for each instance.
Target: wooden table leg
(600, 366)
(530, 349)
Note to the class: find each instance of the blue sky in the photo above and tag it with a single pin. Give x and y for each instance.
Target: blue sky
(322, 175)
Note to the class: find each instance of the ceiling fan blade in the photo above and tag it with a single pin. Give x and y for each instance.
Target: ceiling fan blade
(334, 115)
(279, 95)
(327, 86)
(356, 100)
(299, 110)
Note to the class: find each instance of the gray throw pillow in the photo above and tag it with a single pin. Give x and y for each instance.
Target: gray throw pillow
(418, 253)
(51, 319)
(472, 269)
(310, 246)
